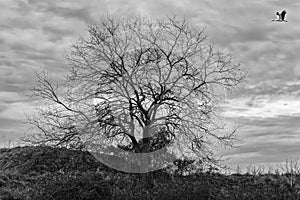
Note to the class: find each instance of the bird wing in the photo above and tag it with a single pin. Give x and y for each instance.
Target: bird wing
(283, 13)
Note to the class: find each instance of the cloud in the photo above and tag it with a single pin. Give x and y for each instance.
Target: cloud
(263, 107)
(35, 34)
(13, 106)
(17, 110)
(81, 13)
(57, 34)
(9, 96)
(266, 140)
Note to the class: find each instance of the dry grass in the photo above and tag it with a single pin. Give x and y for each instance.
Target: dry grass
(22, 178)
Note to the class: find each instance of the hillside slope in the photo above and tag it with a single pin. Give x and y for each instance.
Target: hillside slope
(46, 173)
(42, 159)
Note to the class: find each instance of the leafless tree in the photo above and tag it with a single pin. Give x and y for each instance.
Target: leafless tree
(135, 81)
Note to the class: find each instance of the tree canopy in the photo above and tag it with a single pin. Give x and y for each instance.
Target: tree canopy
(139, 85)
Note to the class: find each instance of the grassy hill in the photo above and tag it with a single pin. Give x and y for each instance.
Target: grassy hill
(58, 173)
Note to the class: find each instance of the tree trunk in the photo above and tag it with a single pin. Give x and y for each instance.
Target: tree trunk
(147, 178)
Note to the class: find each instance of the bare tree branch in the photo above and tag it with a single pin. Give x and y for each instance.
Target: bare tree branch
(149, 78)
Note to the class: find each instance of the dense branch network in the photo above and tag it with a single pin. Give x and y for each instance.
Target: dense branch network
(149, 79)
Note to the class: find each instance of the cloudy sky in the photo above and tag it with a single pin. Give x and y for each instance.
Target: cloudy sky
(35, 34)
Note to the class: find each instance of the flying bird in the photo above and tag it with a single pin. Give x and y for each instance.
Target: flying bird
(281, 16)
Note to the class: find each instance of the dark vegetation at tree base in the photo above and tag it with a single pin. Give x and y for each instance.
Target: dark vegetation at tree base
(58, 173)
